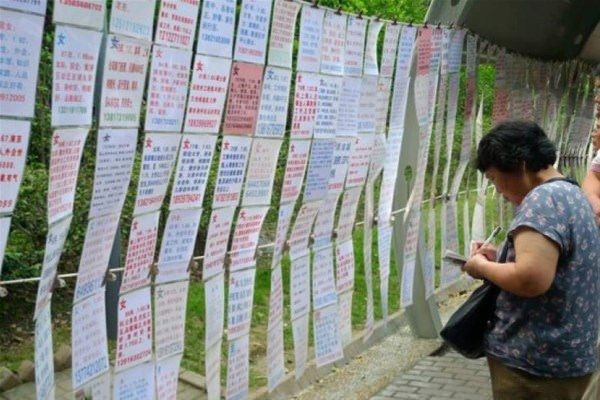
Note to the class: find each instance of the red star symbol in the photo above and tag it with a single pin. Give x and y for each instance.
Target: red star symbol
(122, 304)
(299, 78)
(243, 215)
(236, 70)
(186, 144)
(148, 143)
(135, 226)
(159, 53)
(199, 66)
(292, 148)
(226, 145)
(214, 218)
(55, 139)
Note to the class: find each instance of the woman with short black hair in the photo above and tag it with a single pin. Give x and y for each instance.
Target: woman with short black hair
(542, 340)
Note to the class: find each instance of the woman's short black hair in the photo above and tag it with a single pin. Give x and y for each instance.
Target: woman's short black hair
(511, 144)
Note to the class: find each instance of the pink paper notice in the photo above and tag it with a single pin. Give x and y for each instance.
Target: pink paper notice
(244, 99)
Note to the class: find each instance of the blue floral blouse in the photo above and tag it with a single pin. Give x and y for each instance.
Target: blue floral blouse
(555, 334)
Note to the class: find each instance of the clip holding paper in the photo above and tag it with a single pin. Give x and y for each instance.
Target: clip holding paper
(315, 4)
(153, 271)
(339, 11)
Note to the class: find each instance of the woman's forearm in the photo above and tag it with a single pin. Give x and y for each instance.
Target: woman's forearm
(510, 278)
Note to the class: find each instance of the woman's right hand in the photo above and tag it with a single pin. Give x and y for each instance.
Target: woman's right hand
(488, 251)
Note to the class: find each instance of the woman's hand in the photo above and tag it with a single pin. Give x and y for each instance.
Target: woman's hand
(473, 266)
(489, 251)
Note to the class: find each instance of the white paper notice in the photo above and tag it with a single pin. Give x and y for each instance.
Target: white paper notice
(134, 340)
(319, 169)
(284, 220)
(193, 167)
(360, 159)
(384, 245)
(367, 105)
(238, 370)
(309, 49)
(89, 340)
(245, 237)
(14, 140)
(339, 165)
(208, 89)
(273, 111)
(275, 359)
(302, 228)
(449, 242)
(74, 74)
(33, 6)
(115, 153)
(20, 39)
(347, 123)
(95, 255)
(140, 251)
(169, 318)
(253, 30)
(345, 317)
(212, 368)
(87, 13)
(328, 98)
(300, 334)
(410, 257)
(348, 213)
(123, 81)
(232, 167)
(4, 229)
(67, 147)
(371, 66)
(57, 234)
(384, 90)
(297, 159)
(344, 260)
(177, 23)
(275, 298)
(390, 46)
(300, 287)
(158, 160)
(323, 229)
(261, 172)
(44, 361)
(167, 377)
(179, 237)
(133, 18)
(215, 31)
(98, 388)
(214, 298)
(332, 47)
(323, 281)
(167, 89)
(239, 304)
(328, 344)
(355, 46)
(282, 33)
(305, 105)
(135, 384)
(217, 239)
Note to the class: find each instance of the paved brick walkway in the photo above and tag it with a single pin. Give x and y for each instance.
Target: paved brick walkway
(449, 376)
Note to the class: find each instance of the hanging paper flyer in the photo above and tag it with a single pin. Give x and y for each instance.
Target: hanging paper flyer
(217, 239)
(261, 172)
(245, 237)
(57, 234)
(215, 30)
(212, 368)
(123, 81)
(284, 220)
(274, 99)
(135, 384)
(169, 318)
(179, 237)
(177, 23)
(339, 165)
(332, 46)
(206, 101)
(232, 168)
(328, 98)
(97, 388)
(323, 282)
(14, 140)
(20, 37)
(275, 298)
(360, 158)
(239, 304)
(347, 123)
(167, 89)
(192, 171)
(328, 345)
(323, 229)
(281, 39)
(167, 377)
(89, 340)
(115, 153)
(97, 247)
(300, 287)
(43, 355)
(140, 251)
(302, 228)
(319, 168)
(243, 99)
(390, 46)
(371, 67)
(344, 261)
(158, 160)
(86, 13)
(348, 213)
(300, 335)
(367, 105)
(134, 340)
(275, 356)
(32, 6)
(253, 30)
(74, 63)
(133, 18)
(345, 317)
(65, 155)
(355, 46)
(309, 47)
(297, 159)
(382, 104)
(214, 295)
(238, 369)
(305, 105)
(410, 257)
